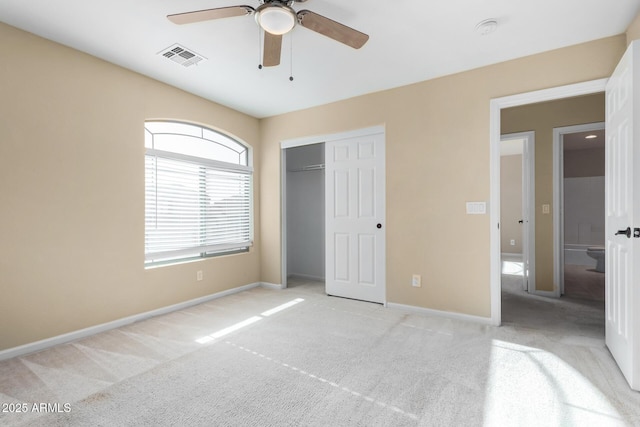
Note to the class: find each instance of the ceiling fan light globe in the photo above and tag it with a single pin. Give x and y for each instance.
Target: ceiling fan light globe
(276, 20)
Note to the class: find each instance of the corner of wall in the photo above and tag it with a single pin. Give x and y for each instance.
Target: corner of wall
(270, 187)
(633, 32)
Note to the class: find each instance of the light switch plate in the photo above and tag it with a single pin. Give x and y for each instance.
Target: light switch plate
(476, 208)
(416, 281)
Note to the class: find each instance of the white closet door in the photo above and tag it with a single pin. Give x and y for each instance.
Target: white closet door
(355, 218)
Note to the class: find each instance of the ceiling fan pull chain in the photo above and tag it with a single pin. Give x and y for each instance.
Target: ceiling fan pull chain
(259, 48)
(291, 56)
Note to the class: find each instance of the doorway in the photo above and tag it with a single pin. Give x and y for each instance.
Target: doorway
(496, 106)
(305, 213)
(621, 183)
(579, 220)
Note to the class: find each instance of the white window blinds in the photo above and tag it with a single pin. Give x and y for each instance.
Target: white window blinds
(195, 206)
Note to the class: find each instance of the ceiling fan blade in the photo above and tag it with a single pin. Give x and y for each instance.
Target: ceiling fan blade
(332, 29)
(272, 49)
(208, 14)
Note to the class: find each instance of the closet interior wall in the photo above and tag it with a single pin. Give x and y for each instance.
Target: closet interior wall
(305, 200)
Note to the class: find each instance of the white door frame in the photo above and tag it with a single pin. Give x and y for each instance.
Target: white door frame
(528, 204)
(495, 105)
(283, 215)
(558, 198)
(298, 142)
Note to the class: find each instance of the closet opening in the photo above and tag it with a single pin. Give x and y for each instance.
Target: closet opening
(304, 199)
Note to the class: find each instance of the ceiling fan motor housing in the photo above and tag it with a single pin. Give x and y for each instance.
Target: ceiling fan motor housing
(276, 17)
(287, 2)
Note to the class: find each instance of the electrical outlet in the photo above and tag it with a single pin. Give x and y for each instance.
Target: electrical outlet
(416, 281)
(513, 242)
(199, 275)
(545, 209)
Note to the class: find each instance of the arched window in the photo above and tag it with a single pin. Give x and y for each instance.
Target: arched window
(197, 193)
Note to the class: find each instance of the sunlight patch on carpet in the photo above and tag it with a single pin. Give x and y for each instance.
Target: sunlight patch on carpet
(281, 307)
(226, 331)
(512, 268)
(527, 384)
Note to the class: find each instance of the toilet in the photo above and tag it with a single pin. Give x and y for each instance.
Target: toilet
(597, 253)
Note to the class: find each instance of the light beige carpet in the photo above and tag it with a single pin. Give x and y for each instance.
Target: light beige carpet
(583, 282)
(324, 361)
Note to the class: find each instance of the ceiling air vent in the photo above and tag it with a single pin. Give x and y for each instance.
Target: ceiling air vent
(182, 55)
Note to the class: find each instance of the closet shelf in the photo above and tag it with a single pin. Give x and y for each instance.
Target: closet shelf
(309, 168)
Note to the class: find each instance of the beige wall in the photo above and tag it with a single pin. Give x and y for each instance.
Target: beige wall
(511, 203)
(71, 183)
(437, 148)
(542, 118)
(72, 192)
(633, 32)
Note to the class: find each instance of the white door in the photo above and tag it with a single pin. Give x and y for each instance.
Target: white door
(523, 143)
(355, 218)
(622, 267)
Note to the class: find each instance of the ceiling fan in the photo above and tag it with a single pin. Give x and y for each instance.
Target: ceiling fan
(277, 17)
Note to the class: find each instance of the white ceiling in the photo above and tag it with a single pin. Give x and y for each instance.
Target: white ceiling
(410, 41)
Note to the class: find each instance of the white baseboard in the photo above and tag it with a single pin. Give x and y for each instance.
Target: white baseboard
(271, 285)
(438, 313)
(306, 277)
(92, 330)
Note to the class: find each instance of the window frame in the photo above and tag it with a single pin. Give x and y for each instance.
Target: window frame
(207, 164)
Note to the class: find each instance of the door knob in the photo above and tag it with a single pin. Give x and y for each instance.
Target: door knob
(627, 232)
(636, 232)
(379, 226)
(521, 222)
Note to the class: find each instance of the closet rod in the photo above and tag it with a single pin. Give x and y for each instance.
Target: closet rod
(309, 168)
